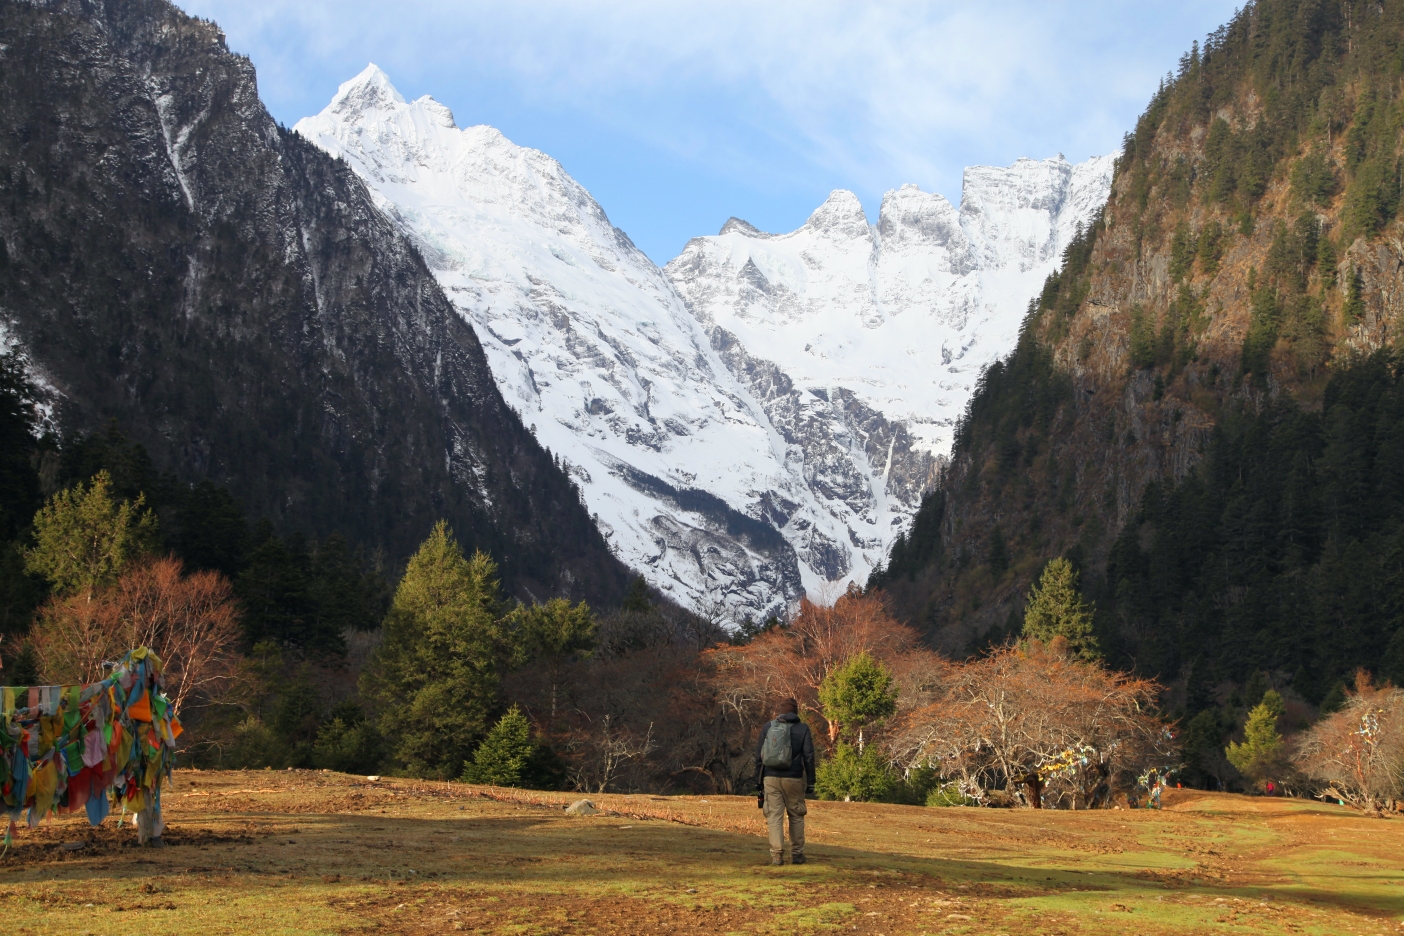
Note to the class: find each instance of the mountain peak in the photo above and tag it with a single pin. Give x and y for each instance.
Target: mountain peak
(841, 214)
(737, 224)
(370, 90)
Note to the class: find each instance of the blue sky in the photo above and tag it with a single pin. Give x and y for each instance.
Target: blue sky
(679, 115)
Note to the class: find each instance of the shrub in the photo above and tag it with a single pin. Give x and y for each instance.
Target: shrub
(501, 759)
(348, 742)
(949, 794)
(850, 775)
(255, 745)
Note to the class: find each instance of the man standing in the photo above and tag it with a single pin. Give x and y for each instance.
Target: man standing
(785, 774)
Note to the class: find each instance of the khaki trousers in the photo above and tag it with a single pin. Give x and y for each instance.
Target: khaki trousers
(785, 796)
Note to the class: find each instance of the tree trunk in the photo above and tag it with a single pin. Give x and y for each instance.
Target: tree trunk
(1035, 784)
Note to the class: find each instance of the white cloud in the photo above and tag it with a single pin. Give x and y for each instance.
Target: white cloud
(867, 95)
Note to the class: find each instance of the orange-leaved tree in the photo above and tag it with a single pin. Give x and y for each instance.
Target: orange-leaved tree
(1356, 754)
(1035, 715)
(794, 660)
(190, 621)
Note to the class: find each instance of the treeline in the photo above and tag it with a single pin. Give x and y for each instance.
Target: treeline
(281, 653)
(298, 593)
(1278, 562)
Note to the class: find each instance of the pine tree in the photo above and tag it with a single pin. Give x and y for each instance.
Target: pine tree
(1353, 309)
(554, 635)
(85, 536)
(434, 677)
(637, 598)
(857, 694)
(1259, 757)
(503, 757)
(999, 552)
(1056, 609)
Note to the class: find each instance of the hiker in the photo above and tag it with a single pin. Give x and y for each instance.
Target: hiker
(784, 776)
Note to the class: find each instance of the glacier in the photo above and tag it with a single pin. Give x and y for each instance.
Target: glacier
(758, 419)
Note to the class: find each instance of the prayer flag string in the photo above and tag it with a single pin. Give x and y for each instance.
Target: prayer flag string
(89, 747)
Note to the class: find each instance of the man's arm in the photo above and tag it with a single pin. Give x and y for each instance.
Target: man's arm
(760, 765)
(807, 756)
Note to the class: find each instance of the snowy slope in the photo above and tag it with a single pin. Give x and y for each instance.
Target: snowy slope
(740, 426)
(905, 313)
(590, 343)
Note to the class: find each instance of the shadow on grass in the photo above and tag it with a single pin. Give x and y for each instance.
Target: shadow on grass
(542, 850)
(550, 851)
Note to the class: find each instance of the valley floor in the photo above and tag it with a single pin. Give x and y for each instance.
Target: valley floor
(309, 852)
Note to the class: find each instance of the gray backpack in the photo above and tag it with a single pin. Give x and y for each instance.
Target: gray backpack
(776, 752)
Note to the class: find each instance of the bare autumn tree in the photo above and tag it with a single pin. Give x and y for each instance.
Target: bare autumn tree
(1026, 714)
(190, 621)
(1356, 754)
(609, 731)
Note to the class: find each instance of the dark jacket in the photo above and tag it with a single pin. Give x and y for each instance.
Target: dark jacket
(801, 752)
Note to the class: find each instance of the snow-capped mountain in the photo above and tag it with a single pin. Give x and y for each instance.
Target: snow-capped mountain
(903, 315)
(590, 343)
(721, 461)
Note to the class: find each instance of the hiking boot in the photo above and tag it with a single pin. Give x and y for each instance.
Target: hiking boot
(776, 860)
(796, 859)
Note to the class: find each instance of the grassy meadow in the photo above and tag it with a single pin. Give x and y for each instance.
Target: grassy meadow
(301, 852)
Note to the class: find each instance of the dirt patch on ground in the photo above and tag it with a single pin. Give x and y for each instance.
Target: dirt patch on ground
(899, 909)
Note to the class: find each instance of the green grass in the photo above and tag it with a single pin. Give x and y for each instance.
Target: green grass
(305, 853)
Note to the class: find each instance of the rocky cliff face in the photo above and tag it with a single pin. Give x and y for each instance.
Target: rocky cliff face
(176, 261)
(1250, 247)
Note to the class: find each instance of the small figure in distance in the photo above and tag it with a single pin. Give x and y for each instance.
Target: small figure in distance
(785, 775)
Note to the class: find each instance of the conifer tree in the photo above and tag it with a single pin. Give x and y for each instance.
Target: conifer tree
(1260, 755)
(503, 757)
(553, 635)
(636, 600)
(434, 677)
(999, 552)
(1056, 609)
(85, 536)
(1353, 309)
(857, 694)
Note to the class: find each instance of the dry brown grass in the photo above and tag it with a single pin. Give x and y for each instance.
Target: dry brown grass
(303, 852)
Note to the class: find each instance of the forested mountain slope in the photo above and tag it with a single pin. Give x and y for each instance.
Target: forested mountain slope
(173, 260)
(1204, 410)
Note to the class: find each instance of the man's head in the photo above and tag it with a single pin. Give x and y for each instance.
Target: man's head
(787, 707)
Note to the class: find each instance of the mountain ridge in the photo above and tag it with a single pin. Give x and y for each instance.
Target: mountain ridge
(1242, 274)
(177, 262)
